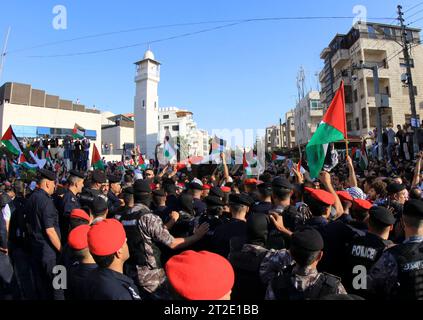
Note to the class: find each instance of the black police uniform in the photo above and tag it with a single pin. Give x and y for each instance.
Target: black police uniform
(261, 207)
(199, 207)
(106, 284)
(69, 202)
(363, 251)
(114, 202)
(235, 228)
(78, 280)
(43, 215)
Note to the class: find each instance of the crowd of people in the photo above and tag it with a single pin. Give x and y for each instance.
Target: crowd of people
(164, 234)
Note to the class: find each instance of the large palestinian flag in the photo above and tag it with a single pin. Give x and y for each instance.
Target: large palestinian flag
(11, 143)
(331, 129)
(96, 161)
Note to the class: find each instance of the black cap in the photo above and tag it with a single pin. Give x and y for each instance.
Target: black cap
(114, 179)
(216, 191)
(241, 198)
(159, 193)
(195, 186)
(99, 205)
(382, 215)
(99, 176)
(213, 201)
(47, 174)
(265, 188)
(395, 188)
(78, 174)
(307, 239)
(281, 182)
(414, 208)
(141, 186)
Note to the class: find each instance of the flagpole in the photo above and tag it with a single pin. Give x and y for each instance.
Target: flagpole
(345, 121)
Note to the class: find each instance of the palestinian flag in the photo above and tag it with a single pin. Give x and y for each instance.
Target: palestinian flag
(246, 165)
(169, 153)
(276, 157)
(78, 132)
(23, 162)
(11, 143)
(96, 161)
(331, 129)
(364, 161)
(218, 145)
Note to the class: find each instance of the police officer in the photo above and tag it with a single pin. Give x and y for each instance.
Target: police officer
(159, 202)
(43, 221)
(366, 250)
(398, 273)
(200, 276)
(282, 190)
(299, 278)
(70, 201)
(107, 245)
(265, 198)
(250, 186)
(79, 272)
(196, 189)
(115, 189)
(98, 184)
(214, 218)
(236, 227)
(246, 260)
(146, 232)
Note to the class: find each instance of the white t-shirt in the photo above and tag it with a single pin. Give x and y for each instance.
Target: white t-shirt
(6, 213)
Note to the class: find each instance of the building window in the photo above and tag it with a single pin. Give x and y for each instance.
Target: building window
(372, 33)
(175, 128)
(166, 116)
(355, 96)
(166, 127)
(143, 103)
(357, 124)
(315, 105)
(155, 105)
(364, 118)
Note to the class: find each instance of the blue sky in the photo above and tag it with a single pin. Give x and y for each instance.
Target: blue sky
(239, 77)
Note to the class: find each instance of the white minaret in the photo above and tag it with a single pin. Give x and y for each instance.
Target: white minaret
(146, 104)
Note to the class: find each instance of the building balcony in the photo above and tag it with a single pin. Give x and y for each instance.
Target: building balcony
(349, 108)
(316, 113)
(384, 101)
(341, 56)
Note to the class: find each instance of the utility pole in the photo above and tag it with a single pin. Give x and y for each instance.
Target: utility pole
(411, 92)
(378, 101)
(4, 52)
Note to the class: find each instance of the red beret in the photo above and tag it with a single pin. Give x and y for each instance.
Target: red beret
(225, 189)
(206, 187)
(106, 237)
(250, 181)
(344, 196)
(78, 237)
(79, 214)
(153, 186)
(363, 204)
(322, 196)
(181, 185)
(200, 275)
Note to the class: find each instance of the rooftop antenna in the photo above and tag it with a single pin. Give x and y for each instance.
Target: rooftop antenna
(4, 52)
(317, 81)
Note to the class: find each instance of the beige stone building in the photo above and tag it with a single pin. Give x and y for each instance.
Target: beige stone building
(273, 138)
(308, 115)
(371, 44)
(288, 128)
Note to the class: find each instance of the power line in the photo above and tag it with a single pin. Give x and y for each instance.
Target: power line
(182, 25)
(415, 14)
(413, 7)
(415, 21)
